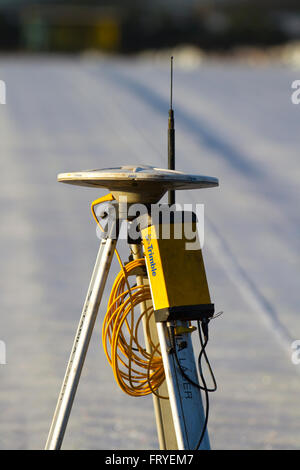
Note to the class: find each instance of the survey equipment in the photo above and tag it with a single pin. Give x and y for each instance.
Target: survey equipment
(155, 299)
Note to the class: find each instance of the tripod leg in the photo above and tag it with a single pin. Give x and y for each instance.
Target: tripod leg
(81, 342)
(185, 398)
(162, 409)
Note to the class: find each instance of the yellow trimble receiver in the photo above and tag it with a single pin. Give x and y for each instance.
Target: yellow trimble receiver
(176, 269)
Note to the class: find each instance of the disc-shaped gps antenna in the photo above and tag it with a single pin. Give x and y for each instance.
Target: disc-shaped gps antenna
(141, 183)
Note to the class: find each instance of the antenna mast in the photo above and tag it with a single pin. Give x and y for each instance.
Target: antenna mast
(171, 138)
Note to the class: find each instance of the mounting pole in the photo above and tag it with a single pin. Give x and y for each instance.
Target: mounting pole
(171, 138)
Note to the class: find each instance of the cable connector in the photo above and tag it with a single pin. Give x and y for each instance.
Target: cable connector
(172, 347)
(204, 327)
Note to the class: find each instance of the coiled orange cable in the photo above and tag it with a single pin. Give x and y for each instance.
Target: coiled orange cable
(136, 371)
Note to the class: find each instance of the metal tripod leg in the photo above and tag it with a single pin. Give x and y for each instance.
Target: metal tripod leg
(185, 398)
(82, 339)
(162, 409)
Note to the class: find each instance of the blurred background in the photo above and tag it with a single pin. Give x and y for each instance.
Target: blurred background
(87, 86)
(133, 26)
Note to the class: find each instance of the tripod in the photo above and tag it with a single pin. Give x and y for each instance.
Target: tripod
(181, 418)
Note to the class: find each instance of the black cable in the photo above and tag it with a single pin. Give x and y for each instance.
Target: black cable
(203, 387)
(202, 351)
(206, 390)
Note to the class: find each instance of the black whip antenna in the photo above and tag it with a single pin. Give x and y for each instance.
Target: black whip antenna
(171, 138)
